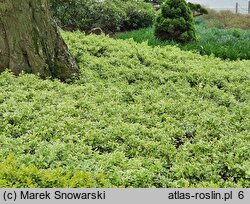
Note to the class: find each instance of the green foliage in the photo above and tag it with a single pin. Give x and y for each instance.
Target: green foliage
(139, 116)
(229, 44)
(88, 14)
(143, 35)
(175, 22)
(207, 24)
(138, 15)
(109, 15)
(197, 9)
(13, 175)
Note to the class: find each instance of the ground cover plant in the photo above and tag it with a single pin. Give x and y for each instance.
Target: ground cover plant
(212, 39)
(139, 116)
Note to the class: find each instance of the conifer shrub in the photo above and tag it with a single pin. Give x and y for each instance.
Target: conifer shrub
(175, 22)
(197, 9)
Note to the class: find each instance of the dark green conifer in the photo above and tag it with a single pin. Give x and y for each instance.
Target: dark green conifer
(175, 22)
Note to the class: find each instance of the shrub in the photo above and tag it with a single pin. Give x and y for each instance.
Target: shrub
(139, 15)
(175, 22)
(109, 15)
(197, 9)
(88, 14)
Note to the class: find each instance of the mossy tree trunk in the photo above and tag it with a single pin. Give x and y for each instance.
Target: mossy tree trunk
(30, 41)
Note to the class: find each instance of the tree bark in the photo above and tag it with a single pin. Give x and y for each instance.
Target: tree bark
(30, 41)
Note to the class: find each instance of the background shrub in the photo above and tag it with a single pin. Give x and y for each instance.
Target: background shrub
(109, 15)
(175, 22)
(88, 14)
(138, 15)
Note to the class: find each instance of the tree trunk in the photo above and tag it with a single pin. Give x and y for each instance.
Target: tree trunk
(30, 41)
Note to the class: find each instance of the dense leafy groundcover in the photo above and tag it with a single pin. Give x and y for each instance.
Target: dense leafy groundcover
(138, 117)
